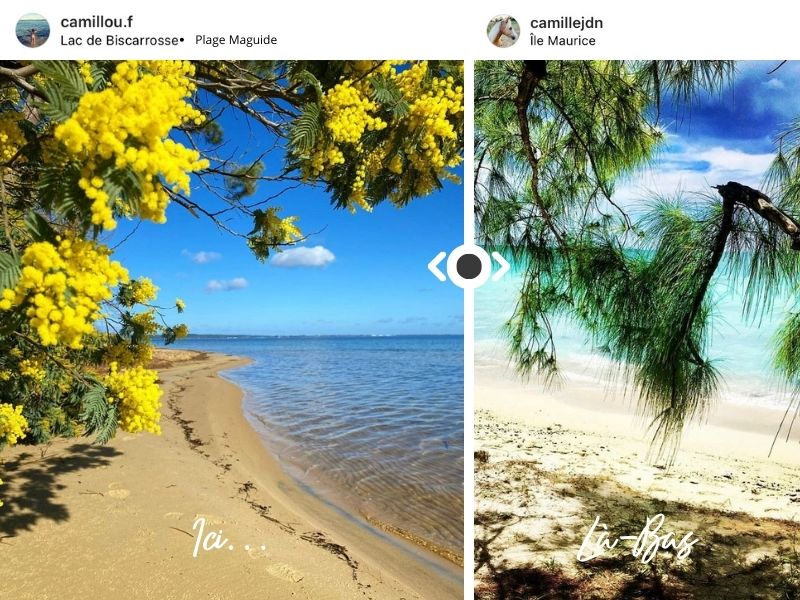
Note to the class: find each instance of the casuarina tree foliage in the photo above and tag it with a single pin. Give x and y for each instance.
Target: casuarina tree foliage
(552, 140)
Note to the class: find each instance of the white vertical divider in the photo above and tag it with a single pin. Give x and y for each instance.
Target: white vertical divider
(469, 329)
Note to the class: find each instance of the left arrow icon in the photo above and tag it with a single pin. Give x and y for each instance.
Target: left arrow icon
(433, 266)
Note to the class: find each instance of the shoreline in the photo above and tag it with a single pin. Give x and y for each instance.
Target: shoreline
(333, 499)
(548, 462)
(131, 506)
(385, 547)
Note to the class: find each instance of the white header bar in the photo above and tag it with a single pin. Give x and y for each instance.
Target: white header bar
(411, 29)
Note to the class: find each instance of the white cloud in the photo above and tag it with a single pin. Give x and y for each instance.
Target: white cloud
(774, 84)
(724, 160)
(315, 257)
(218, 285)
(784, 84)
(693, 168)
(203, 257)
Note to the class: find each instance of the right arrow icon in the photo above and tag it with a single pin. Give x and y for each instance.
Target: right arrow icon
(504, 266)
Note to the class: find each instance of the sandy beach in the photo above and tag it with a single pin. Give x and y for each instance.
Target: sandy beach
(548, 462)
(128, 512)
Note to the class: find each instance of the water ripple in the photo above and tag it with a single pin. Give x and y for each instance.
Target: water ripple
(375, 423)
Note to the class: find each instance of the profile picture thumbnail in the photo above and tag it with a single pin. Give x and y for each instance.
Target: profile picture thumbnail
(503, 31)
(32, 30)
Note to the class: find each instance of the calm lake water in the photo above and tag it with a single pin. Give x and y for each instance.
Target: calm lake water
(374, 424)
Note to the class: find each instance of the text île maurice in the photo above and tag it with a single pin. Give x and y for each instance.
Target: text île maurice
(574, 23)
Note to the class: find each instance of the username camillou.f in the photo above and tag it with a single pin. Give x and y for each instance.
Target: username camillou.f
(97, 22)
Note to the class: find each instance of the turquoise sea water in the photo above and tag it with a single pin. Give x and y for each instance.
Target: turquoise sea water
(371, 423)
(740, 348)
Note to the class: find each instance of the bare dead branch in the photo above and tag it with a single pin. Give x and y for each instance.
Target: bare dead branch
(762, 205)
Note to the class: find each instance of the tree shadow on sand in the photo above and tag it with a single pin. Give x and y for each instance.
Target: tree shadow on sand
(30, 484)
(739, 557)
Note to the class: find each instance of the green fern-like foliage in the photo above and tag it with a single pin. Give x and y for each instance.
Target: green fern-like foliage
(98, 415)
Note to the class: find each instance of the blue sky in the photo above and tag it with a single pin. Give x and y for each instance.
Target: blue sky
(725, 136)
(360, 274)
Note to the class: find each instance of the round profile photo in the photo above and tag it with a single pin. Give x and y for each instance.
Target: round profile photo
(32, 30)
(503, 31)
